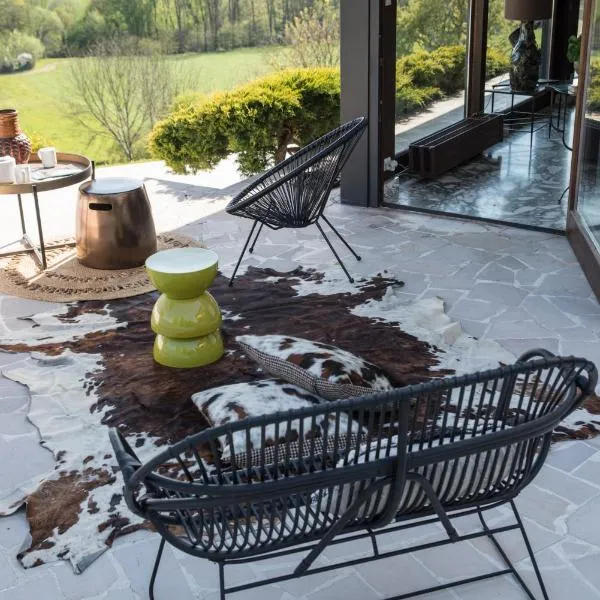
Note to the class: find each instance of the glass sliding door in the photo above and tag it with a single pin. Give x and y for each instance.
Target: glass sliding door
(584, 205)
(588, 196)
(431, 41)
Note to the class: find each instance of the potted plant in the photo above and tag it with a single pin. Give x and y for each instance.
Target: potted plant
(574, 50)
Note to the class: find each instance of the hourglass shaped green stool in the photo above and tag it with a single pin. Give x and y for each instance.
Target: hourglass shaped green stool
(186, 318)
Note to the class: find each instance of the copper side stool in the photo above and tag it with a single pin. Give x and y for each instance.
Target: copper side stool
(115, 229)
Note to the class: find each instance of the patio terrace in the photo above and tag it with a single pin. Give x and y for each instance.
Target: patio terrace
(522, 289)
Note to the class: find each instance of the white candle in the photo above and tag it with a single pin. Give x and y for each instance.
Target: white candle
(7, 169)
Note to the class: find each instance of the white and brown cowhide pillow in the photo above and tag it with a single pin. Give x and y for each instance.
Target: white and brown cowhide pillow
(230, 403)
(324, 370)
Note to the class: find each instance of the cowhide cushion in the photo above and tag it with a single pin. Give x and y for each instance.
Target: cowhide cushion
(327, 371)
(238, 401)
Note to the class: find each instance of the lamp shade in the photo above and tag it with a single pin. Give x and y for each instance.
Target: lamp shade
(528, 10)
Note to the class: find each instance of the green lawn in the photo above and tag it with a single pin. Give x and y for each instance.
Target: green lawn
(41, 96)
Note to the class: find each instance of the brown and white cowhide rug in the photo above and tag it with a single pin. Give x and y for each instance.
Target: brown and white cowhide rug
(91, 368)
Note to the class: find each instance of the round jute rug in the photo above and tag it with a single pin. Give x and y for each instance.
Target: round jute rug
(66, 280)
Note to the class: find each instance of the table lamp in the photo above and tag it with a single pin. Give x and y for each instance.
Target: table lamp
(526, 56)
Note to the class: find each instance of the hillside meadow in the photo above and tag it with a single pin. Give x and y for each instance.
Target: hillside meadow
(42, 96)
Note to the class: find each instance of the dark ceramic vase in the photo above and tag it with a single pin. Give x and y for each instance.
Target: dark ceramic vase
(526, 58)
(13, 142)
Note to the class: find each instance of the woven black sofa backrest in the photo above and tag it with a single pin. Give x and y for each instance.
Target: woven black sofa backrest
(294, 192)
(466, 441)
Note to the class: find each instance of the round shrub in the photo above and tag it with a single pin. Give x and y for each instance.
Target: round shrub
(256, 121)
(19, 51)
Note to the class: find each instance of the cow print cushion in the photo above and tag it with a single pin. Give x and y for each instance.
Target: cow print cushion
(327, 371)
(230, 403)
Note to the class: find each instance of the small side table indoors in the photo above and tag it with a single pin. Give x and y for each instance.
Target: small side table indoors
(82, 169)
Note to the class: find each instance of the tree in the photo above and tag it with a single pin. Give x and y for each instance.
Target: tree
(313, 37)
(124, 92)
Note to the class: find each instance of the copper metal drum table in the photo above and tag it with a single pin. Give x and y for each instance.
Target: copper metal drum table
(85, 170)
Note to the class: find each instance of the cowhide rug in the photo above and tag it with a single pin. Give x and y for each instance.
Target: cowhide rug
(91, 368)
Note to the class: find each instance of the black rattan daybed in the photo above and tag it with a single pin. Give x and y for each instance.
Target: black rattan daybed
(360, 468)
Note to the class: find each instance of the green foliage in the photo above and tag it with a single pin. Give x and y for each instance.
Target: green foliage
(423, 77)
(256, 121)
(593, 94)
(313, 37)
(574, 48)
(14, 44)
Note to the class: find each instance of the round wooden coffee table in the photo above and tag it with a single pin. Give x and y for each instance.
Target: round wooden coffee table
(70, 170)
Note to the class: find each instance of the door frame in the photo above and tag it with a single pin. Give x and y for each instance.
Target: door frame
(582, 242)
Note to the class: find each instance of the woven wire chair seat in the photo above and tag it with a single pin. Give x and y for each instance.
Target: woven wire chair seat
(293, 194)
(435, 450)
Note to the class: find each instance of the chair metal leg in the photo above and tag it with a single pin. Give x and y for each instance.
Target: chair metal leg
(334, 252)
(341, 238)
(251, 250)
(161, 547)
(242, 254)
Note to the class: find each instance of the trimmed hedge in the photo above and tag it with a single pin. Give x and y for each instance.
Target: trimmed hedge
(260, 119)
(257, 121)
(423, 77)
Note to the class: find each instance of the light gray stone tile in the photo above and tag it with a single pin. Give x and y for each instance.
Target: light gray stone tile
(588, 567)
(349, 587)
(584, 522)
(590, 469)
(496, 292)
(567, 456)
(577, 306)
(570, 488)
(43, 586)
(13, 530)
(398, 575)
(525, 330)
(8, 575)
(475, 310)
(528, 277)
(497, 273)
(137, 560)
(564, 285)
(97, 578)
(547, 314)
(518, 347)
(15, 424)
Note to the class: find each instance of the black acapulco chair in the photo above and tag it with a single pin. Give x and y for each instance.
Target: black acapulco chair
(413, 455)
(294, 193)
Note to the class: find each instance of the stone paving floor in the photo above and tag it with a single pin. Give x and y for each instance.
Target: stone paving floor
(520, 288)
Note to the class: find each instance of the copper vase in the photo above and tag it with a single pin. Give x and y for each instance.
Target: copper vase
(13, 142)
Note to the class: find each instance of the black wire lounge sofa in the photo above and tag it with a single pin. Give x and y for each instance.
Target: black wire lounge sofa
(294, 193)
(421, 454)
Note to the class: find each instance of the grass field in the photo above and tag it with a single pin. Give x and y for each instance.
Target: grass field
(41, 96)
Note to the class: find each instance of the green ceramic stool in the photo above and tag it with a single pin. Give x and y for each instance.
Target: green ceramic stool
(186, 318)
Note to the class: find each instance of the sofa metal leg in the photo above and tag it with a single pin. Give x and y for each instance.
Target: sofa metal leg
(536, 568)
(222, 581)
(161, 547)
(507, 560)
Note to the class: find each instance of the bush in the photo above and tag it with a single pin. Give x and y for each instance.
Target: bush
(257, 121)
(13, 48)
(422, 77)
